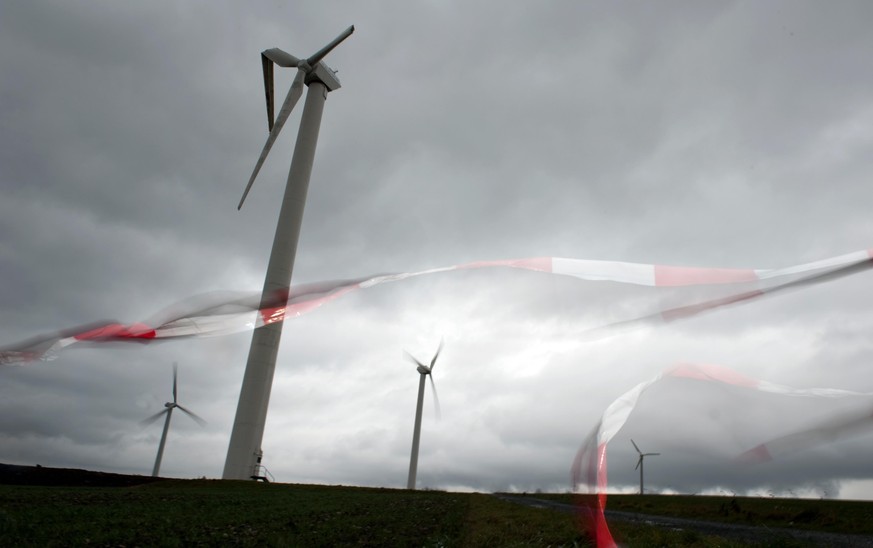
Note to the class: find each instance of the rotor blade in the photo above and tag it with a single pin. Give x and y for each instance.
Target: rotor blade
(435, 356)
(193, 415)
(293, 95)
(639, 462)
(175, 373)
(651, 454)
(319, 55)
(267, 65)
(281, 58)
(145, 422)
(637, 448)
(436, 399)
(411, 358)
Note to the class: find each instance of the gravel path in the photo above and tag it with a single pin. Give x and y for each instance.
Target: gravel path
(745, 533)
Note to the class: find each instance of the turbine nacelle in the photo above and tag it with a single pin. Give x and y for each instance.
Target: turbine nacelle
(421, 368)
(308, 70)
(640, 461)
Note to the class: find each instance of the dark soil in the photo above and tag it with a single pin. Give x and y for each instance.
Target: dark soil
(11, 474)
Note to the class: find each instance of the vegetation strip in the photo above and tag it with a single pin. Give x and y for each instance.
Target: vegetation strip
(731, 530)
(51, 507)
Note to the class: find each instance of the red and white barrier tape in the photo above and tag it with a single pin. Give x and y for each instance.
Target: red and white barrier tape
(589, 469)
(211, 316)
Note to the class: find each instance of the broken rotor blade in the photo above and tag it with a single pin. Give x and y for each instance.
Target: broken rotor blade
(290, 100)
(281, 58)
(436, 399)
(193, 415)
(267, 65)
(319, 55)
(145, 422)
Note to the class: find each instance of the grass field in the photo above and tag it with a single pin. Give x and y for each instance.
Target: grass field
(203, 512)
(233, 513)
(833, 516)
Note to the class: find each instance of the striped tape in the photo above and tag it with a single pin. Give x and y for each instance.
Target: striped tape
(200, 317)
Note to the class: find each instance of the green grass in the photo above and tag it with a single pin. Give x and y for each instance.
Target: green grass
(199, 512)
(231, 513)
(833, 516)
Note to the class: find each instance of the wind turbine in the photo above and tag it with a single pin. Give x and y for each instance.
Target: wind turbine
(425, 371)
(244, 450)
(169, 406)
(640, 463)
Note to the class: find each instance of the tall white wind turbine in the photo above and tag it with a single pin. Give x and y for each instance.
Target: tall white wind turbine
(640, 463)
(244, 451)
(425, 371)
(168, 410)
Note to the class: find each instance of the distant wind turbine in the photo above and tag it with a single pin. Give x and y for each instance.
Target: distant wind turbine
(640, 463)
(425, 371)
(169, 406)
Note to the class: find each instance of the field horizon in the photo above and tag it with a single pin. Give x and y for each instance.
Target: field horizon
(58, 506)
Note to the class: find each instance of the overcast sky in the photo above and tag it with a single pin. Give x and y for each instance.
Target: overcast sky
(728, 134)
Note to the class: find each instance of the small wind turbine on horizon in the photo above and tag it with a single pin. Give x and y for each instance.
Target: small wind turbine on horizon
(424, 371)
(640, 463)
(169, 406)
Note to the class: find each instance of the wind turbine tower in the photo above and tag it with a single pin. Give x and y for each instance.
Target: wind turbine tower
(244, 450)
(168, 410)
(640, 463)
(425, 371)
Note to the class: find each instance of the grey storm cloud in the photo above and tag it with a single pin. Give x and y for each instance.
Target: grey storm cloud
(729, 134)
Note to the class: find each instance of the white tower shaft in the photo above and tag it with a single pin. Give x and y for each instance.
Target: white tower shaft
(416, 435)
(156, 470)
(251, 414)
(642, 465)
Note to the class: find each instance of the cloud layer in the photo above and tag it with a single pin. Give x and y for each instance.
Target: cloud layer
(734, 135)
